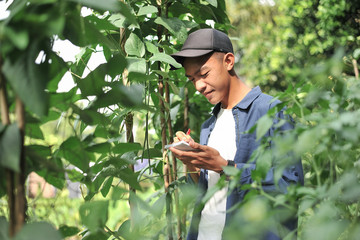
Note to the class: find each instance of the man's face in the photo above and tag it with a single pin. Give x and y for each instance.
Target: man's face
(209, 76)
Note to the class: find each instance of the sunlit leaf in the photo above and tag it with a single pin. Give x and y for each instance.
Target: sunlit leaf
(175, 26)
(147, 10)
(212, 2)
(163, 57)
(136, 64)
(94, 215)
(135, 46)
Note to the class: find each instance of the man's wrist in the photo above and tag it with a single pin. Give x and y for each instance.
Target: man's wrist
(230, 163)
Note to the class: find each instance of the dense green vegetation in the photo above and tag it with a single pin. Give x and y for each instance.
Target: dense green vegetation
(304, 52)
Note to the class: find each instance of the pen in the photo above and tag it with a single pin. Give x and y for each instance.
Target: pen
(188, 132)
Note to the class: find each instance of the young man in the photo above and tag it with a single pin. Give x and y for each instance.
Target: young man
(208, 59)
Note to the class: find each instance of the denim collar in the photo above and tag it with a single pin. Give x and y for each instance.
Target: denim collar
(244, 103)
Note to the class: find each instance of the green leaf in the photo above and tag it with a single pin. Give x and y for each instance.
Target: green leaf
(128, 176)
(135, 46)
(127, 96)
(94, 82)
(89, 116)
(20, 38)
(67, 231)
(263, 125)
(101, 24)
(90, 34)
(108, 5)
(4, 228)
(62, 100)
(10, 148)
(121, 148)
(163, 57)
(99, 147)
(213, 3)
(39, 231)
(307, 140)
(147, 10)
(141, 77)
(175, 26)
(106, 186)
(136, 65)
(34, 131)
(28, 80)
(158, 206)
(98, 235)
(151, 47)
(72, 150)
(356, 53)
(94, 214)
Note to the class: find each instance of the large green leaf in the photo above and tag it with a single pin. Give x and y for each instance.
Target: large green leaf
(10, 147)
(163, 57)
(175, 26)
(89, 116)
(90, 34)
(94, 82)
(39, 231)
(28, 80)
(131, 96)
(72, 150)
(121, 148)
(94, 214)
(131, 178)
(135, 46)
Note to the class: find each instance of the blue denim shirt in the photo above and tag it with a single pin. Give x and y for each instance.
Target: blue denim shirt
(246, 113)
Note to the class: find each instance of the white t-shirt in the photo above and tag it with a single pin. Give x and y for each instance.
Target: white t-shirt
(223, 139)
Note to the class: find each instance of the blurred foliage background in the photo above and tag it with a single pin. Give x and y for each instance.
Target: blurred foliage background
(122, 113)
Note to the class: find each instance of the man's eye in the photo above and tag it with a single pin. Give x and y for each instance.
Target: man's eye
(205, 74)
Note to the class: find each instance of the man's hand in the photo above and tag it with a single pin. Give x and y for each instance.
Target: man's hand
(206, 157)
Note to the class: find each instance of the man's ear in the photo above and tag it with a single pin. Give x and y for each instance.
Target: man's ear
(229, 61)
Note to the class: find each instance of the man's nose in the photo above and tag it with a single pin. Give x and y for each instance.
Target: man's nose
(200, 85)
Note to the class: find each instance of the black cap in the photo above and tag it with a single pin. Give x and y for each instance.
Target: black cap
(202, 42)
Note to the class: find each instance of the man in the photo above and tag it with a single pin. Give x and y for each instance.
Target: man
(208, 59)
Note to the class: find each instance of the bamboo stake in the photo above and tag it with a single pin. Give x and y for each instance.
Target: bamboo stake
(167, 168)
(14, 181)
(186, 127)
(20, 198)
(356, 69)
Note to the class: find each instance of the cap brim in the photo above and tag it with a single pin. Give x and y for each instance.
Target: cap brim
(179, 56)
